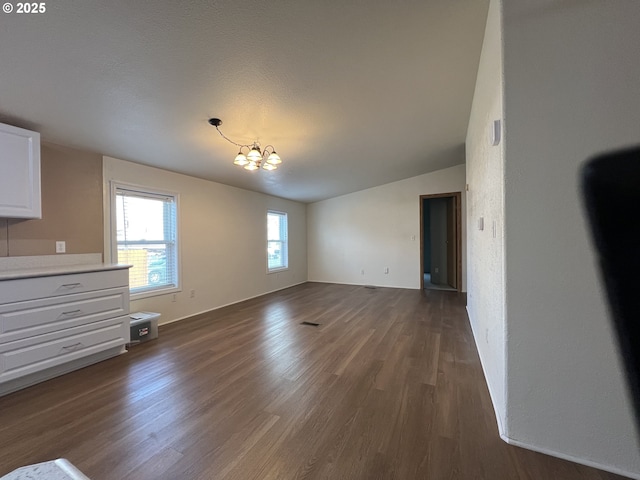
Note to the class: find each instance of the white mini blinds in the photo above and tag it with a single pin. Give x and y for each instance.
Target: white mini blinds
(146, 237)
(277, 245)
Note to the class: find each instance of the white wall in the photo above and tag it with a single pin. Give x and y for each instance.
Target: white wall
(572, 89)
(485, 199)
(222, 235)
(376, 228)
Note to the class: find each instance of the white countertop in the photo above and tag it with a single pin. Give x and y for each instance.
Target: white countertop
(47, 265)
(58, 270)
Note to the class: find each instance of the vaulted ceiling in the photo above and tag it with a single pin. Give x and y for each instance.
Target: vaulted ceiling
(352, 94)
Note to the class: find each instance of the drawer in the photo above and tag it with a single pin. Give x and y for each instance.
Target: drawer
(22, 289)
(31, 355)
(36, 317)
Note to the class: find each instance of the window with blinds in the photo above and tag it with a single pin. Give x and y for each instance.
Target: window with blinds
(146, 237)
(277, 246)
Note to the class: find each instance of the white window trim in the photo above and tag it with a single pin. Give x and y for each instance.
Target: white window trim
(277, 269)
(113, 247)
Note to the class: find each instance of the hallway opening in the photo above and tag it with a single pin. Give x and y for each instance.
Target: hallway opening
(440, 241)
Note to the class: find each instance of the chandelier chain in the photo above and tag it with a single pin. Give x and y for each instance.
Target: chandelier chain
(231, 141)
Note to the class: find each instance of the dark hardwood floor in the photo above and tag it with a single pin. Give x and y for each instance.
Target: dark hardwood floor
(388, 386)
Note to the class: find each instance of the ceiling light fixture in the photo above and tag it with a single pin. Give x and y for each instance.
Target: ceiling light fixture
(255, 158)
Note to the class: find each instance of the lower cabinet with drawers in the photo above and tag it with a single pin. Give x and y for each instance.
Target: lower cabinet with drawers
(50, 325)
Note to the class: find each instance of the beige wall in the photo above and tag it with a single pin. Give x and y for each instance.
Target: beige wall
(71, 207)
(375, 229)
(222, 241)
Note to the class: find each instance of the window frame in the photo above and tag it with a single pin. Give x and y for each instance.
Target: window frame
(285, 242)
(151, 192)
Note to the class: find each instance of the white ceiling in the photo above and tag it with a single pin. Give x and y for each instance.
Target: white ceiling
(352, 94)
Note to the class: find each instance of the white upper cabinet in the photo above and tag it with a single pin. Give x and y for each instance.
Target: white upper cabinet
(19, 173)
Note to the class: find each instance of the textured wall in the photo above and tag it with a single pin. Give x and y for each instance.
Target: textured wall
(485, 199)
(377, 228)
(571, 90)
(71, 207)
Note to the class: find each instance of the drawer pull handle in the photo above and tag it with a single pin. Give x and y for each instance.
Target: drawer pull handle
(74, 313)
(71, 285)
(75, 346)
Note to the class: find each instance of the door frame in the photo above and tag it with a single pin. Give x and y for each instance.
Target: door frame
(457, 201)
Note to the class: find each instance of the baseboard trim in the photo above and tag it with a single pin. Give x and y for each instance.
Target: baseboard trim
(517, 443)
(492, 394)
(204, 312)
(404, 287)
(571, 458)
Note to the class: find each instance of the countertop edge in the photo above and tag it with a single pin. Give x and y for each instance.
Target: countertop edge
(60, 270)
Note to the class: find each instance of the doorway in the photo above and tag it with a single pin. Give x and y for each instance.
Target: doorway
(440, 241)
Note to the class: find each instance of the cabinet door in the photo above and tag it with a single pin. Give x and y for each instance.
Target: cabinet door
(19, 173)
(22, 289)
(30, 355)
(36, 317)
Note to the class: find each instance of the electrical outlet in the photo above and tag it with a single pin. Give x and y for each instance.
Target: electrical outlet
(386, 270)
(362, 272)
(173, 297)
(192, 294)
(61, 247)
(436, 270)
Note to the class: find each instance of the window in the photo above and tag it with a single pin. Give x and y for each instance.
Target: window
(277, 247)
(146, 237)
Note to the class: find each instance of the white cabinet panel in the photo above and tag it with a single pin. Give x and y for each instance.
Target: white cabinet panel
(56, 285)
(19, 173)
(24, 357)
(36, 317)
(54, 324)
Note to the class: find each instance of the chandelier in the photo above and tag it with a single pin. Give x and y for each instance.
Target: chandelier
(267, 158)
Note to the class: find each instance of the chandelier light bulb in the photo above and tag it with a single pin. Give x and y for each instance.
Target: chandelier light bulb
(251, 166)
(269, 166)
(274, 159)
(254, 155)
(241, 160)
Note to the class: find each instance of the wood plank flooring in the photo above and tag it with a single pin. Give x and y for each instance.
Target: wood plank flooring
(388, 386)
